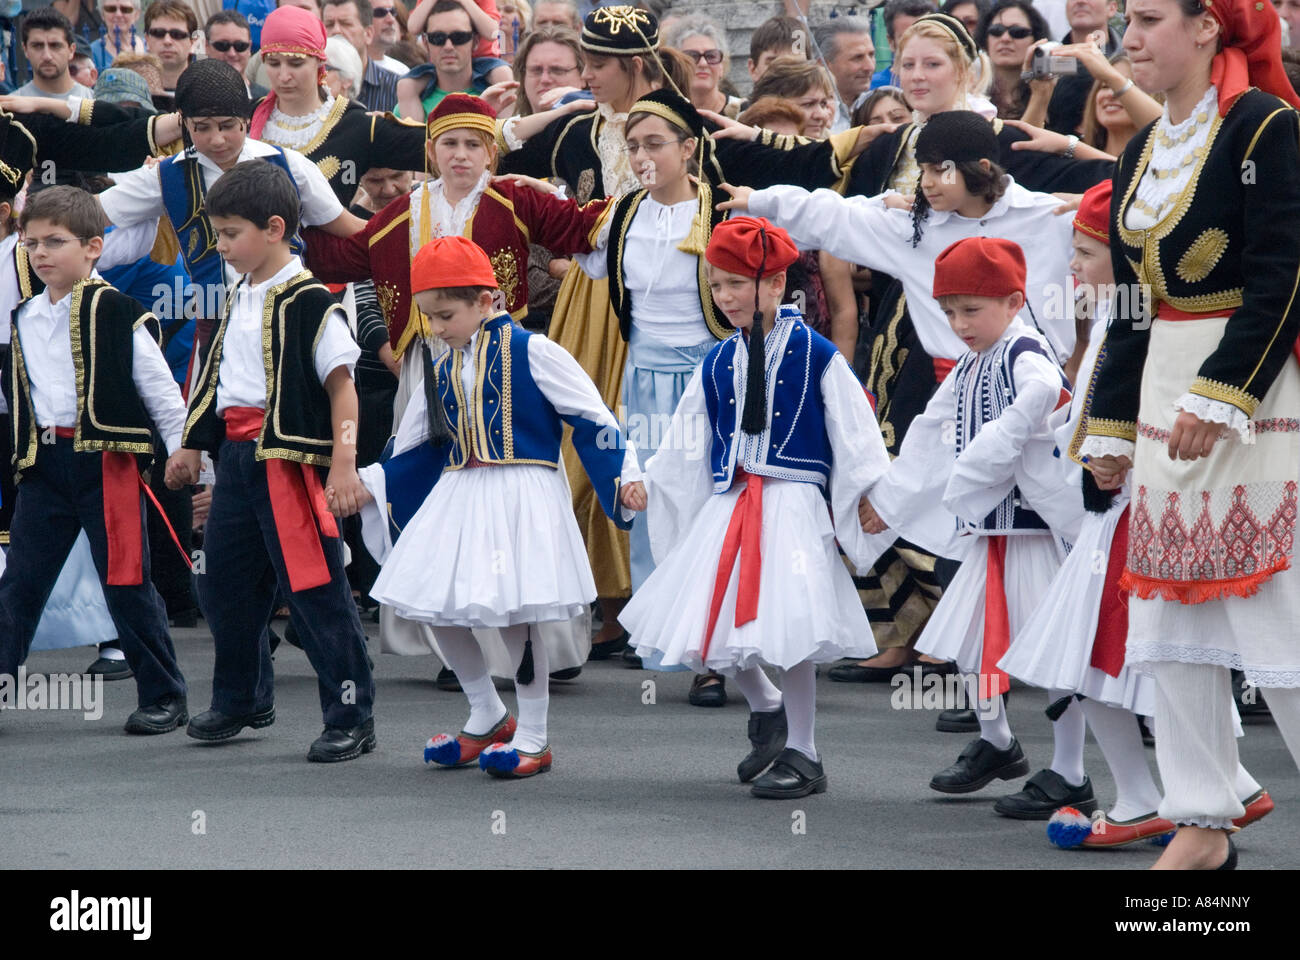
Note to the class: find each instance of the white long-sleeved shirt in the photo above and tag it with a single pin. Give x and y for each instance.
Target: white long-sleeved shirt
(864, 231)
(45, 333)
(241, 378)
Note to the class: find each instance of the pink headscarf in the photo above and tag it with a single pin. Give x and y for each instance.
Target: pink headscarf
(290, 30)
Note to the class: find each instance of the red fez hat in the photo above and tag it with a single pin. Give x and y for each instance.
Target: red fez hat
(1093, 215)
(748, 245)
(451, 262)
(459, 110)
(980, 267)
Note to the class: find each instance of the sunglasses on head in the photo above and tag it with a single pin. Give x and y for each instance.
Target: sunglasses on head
(711, 57)
(458, 38)
(381, 13)
(225, 46)
(1017, 33)
(158, 33)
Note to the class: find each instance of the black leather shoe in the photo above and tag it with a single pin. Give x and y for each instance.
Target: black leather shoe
(607, 649)
(340, 743)
(791, 775)
(566, 674)
(214, 725)
(161, 717)
(110, 669)
(767, 734)
(705, 693)
(978, 764)
(630, 659)
(957, 721)
(447, 680)
(1043, 794)
(929, 669)
(854, 672)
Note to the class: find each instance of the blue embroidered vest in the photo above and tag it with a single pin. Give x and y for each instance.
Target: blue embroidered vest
(985, 386)
(794, 445)
(508, 420)
(183, 192)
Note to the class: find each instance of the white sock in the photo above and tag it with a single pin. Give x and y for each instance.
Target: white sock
(534, 698)
(464, 657)
(1120, 741)
(799, 689)
(1067, 739)
(991, 714)
(1245, 785)
(760, 693)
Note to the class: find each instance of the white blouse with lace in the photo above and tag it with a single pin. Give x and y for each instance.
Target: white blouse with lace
(283, 130)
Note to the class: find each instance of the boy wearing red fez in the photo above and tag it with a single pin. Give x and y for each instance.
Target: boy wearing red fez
(274, 404)
(488, 537)
(771, 426)
(1074, 642)
(985, 428)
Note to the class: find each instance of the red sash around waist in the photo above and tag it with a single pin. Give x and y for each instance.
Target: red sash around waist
(743, 538)
(297, 504)
(1108, 646)
(942, 367)
(122, 521)
(997, 620)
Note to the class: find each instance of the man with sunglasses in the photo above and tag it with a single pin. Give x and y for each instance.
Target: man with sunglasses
(448, 43)
(386, 36)
(228, 37)
(353, 20)
(169, 29)
(48, 46)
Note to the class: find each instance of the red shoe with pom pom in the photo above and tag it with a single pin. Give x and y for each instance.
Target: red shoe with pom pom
(505, 762)
(1119, 833)
(1258, 806)
(464, 748)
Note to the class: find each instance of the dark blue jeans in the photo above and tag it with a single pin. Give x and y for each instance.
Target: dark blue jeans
(59, 495)
(242, 564)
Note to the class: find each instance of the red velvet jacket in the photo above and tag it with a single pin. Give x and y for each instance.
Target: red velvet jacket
(507, 219)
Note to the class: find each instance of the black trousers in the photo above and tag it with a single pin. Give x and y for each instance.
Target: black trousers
(60, 495)
(243, 563)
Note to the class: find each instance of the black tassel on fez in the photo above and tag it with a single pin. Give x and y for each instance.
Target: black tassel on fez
(439, 429)
(754, 418)
(524, 675)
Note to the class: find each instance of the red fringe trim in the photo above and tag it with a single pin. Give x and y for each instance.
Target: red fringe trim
(1198, 591)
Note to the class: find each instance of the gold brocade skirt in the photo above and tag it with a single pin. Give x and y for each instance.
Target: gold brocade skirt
(584, 323)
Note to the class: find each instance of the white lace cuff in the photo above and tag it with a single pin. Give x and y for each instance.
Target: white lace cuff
(1107, 447)
(508, 134)
(1215, 411)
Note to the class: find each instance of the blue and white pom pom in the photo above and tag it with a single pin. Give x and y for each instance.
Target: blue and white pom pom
(499, 756)
(1068, 828)
(442, 750)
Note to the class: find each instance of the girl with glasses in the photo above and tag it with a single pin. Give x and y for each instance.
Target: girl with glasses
(120, 32)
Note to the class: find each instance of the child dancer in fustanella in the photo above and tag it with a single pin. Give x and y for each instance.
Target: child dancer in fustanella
(495, 542)
(966, 451)
(770, 427)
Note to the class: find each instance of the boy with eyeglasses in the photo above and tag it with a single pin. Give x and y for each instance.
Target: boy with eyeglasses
(449, 32)
(169, 27)
(87, 385)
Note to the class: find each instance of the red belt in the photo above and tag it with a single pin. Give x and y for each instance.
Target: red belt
(1165, 312)
(942, 367)
(997, 621)
(1112, 621)
(743, 538)
(297, 504)
(122, 521)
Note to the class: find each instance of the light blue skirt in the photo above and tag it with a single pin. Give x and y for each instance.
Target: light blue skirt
(653, 382)
(76, 615)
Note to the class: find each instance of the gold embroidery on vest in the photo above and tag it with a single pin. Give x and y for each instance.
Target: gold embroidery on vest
(1200, 258)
